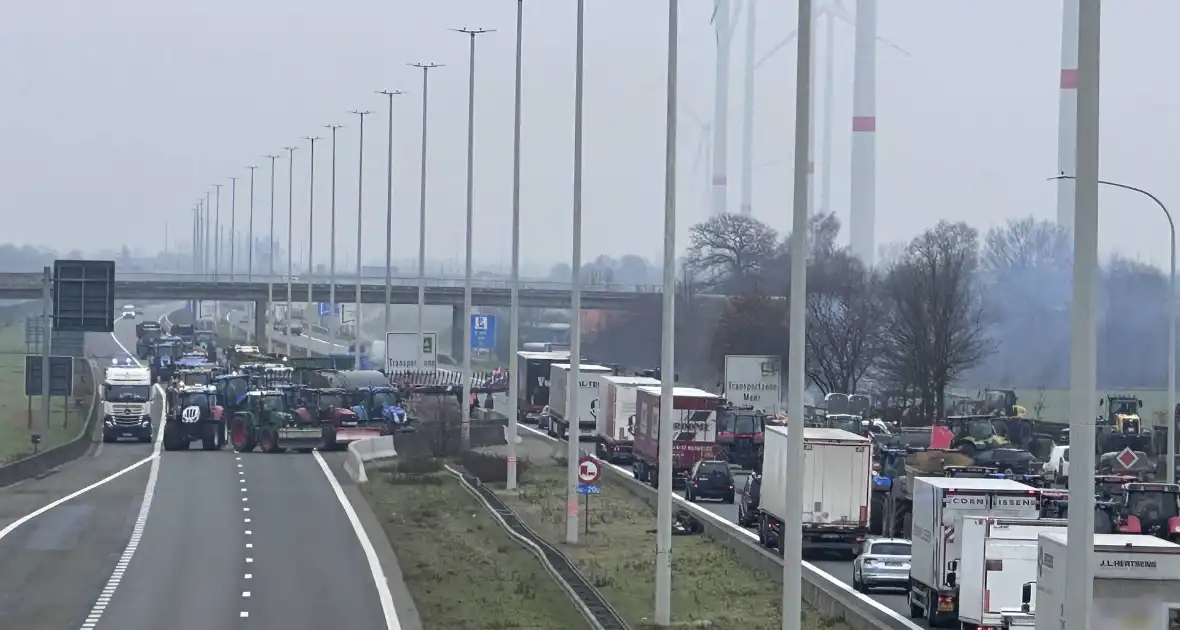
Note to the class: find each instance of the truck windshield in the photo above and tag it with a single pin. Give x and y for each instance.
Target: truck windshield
(128, 393)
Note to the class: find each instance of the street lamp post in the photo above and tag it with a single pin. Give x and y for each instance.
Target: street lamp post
(335, 317)
(571, 409)
(360, 204)
(270, 254)
(207, 244)
(217, 235)
(1079, 580)
(425, 67)
(1171, 319)
(250, 233)
(389, 210)
(465, 342)
(290, 240)
(663, 608)
(310, 230)
(792, 533)
(233, 217)
(514, 314)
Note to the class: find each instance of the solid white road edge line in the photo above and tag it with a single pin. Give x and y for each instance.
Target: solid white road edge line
(387, 608)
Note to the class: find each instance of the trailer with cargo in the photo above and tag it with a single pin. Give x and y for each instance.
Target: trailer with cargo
(837, 483)
(1136, 582)
(532, 391)
(616, 416)
(694, 427)
(561, 417)
(939, 506)
(998, 556)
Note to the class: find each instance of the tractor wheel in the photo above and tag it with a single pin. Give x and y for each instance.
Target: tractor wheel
(268, 440)
(210, 434)
(328, 438)
(241, 436)
(170, 441)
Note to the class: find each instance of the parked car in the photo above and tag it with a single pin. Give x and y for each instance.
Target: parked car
(883, 563)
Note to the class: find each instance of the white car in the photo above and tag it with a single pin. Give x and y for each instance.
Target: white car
(1056, 467)
(884, 563)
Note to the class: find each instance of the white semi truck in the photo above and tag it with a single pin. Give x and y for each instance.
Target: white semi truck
(1136, 582)
(616, 416)
(998, 556)
(940, 505)
(837, 483)
(560, 416)
(126, 402)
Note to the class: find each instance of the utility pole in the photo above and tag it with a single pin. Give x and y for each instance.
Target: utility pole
(465, 342)
(310, 229)
(572, 409)
(425, 67)
(250, 232)
(360, 204)
(217, 236)
(514, 313)
(270, 254)
(233, 218)
(389, 211)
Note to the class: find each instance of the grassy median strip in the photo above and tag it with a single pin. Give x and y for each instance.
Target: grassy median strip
(463, 571)
(710, 588)
(14, 405)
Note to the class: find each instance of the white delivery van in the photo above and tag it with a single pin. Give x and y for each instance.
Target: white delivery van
(998, 556)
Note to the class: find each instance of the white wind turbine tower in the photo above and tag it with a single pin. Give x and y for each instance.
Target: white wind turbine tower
(862, 212)
(722, 21)
(1067, 113)
(702, 153)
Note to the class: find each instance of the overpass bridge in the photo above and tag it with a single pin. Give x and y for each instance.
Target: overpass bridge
(135, 286)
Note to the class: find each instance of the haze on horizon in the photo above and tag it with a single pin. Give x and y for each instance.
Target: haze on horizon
(122, 114)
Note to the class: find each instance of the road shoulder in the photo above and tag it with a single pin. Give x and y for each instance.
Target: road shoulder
(407, 612)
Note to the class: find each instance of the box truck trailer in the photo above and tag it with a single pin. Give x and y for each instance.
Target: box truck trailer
(837, 482)
(940, 505)
(561, 417)
(694, 425)
(998, 556)
(616, 416)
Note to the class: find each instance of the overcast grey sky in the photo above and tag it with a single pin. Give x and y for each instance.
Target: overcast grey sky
(122, 113)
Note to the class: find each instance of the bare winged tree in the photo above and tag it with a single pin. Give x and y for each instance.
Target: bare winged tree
(730, 250)
(936, 328)
(844, 321)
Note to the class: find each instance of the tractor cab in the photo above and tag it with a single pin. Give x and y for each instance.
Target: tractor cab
(1152, 509)
(322, 405)
(1111, 487)
(203, 397)
(740, 432)
(206, 341)
(972, 434)
(232, 390)
(379, 404)
(193, 376)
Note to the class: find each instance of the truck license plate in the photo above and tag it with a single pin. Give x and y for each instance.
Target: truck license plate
(946, 605)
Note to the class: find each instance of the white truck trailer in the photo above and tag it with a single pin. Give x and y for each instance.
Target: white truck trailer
(837, 483)
(940, 505)
(560, 416)
(1136, 582)
(616, 416)
(998, 556)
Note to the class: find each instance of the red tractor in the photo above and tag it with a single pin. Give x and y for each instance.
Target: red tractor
(328, 408)
(1152, 509)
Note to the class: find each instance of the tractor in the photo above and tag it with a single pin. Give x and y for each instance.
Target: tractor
(206, 341)
(193, 414)
(1150, 508)
(1120, 427)
(327, 408)
(264, 419)
(380, 405)
(739, 435)
(973, 434)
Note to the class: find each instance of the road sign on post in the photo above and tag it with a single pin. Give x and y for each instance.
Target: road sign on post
(34, 332)
(483, 332)
(327, 308)
(403, 353)
(84, 295)
(61, 376)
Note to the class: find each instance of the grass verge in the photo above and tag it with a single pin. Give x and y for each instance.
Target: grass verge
(463, 571)
(15, 428)
(710, 587)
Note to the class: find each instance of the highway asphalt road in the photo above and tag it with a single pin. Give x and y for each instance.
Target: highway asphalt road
(191, 541)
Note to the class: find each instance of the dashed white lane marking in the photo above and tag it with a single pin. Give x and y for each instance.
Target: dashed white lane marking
(387, 608)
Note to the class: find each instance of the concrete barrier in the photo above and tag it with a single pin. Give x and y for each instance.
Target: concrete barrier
(365, 450)
(43, 462)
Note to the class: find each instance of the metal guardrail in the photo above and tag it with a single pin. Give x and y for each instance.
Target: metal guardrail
(593, 605)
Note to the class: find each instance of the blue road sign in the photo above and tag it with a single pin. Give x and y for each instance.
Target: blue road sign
(589, 489)
(326, 308)
(483, 332)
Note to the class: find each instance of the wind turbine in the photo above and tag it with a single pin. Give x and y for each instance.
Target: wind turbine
(861, 216)
(703, 152)
(722, 21)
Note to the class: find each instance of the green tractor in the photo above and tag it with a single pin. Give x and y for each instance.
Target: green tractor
(264, 419)
(973, 434)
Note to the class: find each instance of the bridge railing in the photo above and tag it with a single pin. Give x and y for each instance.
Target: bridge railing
(26, 279)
